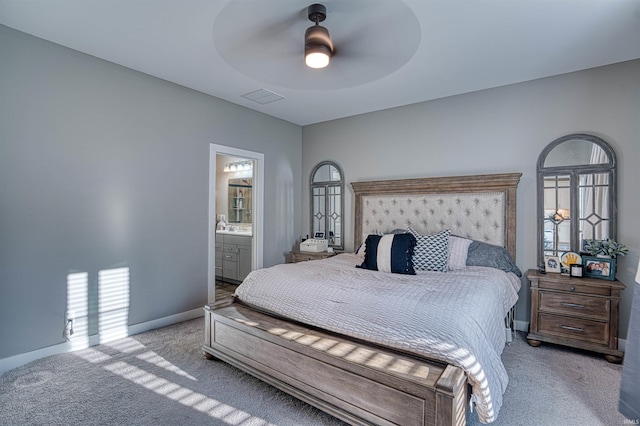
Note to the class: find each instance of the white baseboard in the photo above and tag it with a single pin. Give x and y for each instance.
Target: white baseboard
(522, 325)
(163, 322)
(15, 361)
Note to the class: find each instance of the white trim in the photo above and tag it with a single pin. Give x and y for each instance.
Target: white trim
(622, 345)
(522, 325)
(258, 209)
(165, 321)
(16, 361)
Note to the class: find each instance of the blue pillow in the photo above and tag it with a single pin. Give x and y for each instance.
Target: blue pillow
(484, 254)
(389, 253)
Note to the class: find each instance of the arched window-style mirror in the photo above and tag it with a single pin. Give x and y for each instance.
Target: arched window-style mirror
(327, 203)
(576, 194)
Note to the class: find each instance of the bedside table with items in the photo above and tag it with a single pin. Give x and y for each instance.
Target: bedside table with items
(303, 256)
(577, 312)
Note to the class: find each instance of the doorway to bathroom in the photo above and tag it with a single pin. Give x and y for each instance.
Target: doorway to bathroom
(235, 217)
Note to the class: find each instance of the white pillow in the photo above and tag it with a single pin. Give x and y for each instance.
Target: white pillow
(458, 249)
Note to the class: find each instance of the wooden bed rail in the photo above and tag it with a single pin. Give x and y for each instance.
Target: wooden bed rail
(359, 383)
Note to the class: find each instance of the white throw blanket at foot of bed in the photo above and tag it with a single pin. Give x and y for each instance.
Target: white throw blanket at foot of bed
(455, 316)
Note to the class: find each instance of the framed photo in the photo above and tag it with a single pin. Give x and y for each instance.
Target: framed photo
(552, 264)
(319, 236)
(576, 270)
(599, 267)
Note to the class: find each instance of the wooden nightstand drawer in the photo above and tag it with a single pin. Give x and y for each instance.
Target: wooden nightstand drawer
(574, 328)
(304, 256)
(575, 305)
(575, 287)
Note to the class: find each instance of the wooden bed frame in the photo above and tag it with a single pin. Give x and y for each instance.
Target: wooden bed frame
(355, 381)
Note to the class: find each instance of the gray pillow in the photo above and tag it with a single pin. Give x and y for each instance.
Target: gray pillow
(484, 254)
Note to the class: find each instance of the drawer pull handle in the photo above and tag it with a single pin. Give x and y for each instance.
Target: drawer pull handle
(566, 327)
(572, 288)
(572, 305)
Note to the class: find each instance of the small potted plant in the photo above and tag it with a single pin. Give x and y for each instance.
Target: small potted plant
(602, 260)
(605, 248)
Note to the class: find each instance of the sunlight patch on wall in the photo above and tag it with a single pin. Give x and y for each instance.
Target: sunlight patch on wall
(113, 303)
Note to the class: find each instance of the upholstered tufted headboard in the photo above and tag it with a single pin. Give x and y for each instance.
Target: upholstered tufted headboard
(480, 207)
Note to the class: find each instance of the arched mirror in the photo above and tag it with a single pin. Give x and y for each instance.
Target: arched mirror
(576, 194)
(327, 203)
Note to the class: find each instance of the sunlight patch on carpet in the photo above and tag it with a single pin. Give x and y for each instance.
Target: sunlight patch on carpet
(155, 359)
(184, 396)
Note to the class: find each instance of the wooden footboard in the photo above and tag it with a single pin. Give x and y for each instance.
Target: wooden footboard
(356, 382)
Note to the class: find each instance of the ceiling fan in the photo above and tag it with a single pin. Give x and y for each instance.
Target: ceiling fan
(318, 47)
(369, 40)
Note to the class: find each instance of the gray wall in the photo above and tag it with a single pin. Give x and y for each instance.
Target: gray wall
(495, 131)
(102, 166)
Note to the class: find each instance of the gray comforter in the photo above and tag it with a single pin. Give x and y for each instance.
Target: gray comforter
(456, 317)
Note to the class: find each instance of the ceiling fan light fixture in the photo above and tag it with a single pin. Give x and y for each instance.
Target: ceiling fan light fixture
(317, 56)
(318, 47)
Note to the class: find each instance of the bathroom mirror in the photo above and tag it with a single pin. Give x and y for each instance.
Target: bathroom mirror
(240, 200)
(327, 203)
(576, 194)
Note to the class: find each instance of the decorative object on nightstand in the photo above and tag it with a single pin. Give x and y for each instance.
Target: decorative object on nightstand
(599, 267)
(326, 207)
(567, 259)
(603, 257)
(576, 193)
(576, 270)
(552, 264)
(577, 312)
(606, 247)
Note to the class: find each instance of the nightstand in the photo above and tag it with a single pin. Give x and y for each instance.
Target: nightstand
(303, 256)
(577, 312)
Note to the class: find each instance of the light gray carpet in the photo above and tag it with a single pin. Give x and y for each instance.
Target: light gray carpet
(161, 378)
(555, 385)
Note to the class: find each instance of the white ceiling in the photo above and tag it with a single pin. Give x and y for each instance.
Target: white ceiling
(388, 52)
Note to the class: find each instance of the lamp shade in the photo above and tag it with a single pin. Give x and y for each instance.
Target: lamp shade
(317, 57)
(317, 47)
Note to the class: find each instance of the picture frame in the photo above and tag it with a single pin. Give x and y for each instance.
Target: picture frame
(603, 268)
(552, 264)
(576, 270)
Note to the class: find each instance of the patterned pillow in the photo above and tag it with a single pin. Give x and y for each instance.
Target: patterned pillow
(389, 253)
(432, 251)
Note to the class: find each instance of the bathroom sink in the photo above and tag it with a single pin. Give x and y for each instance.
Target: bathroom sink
(234, 232)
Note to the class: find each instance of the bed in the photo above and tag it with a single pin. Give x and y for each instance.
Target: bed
(357, 342)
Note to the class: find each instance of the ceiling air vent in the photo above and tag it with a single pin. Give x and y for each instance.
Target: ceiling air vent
(262, 96)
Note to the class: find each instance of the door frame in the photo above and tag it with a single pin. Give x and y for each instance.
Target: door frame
(258, 210)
